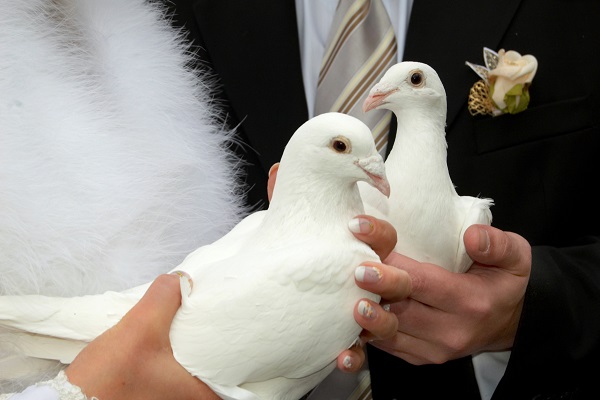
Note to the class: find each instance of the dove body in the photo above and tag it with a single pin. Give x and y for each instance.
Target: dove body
(429, 216)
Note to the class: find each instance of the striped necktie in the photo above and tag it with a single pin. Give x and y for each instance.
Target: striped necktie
(362, 46)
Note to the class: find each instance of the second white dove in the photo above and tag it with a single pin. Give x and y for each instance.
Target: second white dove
(424, 207)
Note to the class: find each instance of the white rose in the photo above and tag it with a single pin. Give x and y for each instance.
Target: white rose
(510, 80)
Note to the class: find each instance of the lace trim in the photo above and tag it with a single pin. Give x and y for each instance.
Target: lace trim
(66, 390)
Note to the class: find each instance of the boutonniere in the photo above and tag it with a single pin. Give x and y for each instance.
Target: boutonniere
(504, 84)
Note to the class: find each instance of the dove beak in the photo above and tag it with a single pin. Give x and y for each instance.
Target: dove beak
(374, 167)
(377, 97)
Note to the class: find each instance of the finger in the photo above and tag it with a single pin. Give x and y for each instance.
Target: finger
(422, 321)
(491, 246)
(159, 304)
(352, 359)
(272, 179)
(430, 284)
(392, 284)
(377, 233)
(372, 317)
(411, 349)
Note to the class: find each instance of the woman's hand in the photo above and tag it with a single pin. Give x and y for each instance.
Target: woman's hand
(133, 360)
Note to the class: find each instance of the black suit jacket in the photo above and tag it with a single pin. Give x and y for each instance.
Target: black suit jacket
(540, 166)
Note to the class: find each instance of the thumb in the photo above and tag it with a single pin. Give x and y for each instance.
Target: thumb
(157, 308)
(272, 179)
(489, 246)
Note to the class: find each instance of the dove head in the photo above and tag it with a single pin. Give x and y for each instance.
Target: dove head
(336, 148)
(408, 86)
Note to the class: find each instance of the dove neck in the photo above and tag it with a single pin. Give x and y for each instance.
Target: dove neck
(420, 148)
(312, 201)
(417, 130)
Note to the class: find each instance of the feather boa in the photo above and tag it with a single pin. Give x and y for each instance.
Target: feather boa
(114, 163)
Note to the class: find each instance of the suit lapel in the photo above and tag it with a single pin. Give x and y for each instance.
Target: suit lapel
(275, 83)
(433, 37)
(444, 40)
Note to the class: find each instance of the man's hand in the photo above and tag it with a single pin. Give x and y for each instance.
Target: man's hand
(381, 236)
(448, 315)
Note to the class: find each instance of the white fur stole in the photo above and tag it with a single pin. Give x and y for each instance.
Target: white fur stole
(113, 161)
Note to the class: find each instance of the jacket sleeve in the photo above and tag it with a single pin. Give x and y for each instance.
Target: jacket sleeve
(559, 333)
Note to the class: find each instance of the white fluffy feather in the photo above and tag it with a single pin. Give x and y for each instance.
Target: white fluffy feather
(113, 160)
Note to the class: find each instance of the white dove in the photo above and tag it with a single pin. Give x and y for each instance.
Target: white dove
(424, 207)
(273, 300)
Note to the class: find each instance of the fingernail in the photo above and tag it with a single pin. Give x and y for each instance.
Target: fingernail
(366, 309)
(347, 362)
(484, 241)
(367, 274)
(360, 225)
(186, 282)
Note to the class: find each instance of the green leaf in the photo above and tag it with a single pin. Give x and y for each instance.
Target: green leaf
(516, 99)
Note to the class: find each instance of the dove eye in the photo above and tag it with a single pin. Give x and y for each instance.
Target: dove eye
(340, 144)
(416, 78)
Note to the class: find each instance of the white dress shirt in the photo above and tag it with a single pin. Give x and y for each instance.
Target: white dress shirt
(314, 20)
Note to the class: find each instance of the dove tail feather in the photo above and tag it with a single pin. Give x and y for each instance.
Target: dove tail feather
(17, 371)
(36, 332)
(74, 318)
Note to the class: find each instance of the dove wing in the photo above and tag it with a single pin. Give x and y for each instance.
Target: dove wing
(476, 211)
(46, 347)
(80, 318)
(58, 328)
(228, 245)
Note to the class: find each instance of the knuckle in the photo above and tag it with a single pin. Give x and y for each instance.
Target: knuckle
(480, 310)
(455, 348)
(438, 358)
(417, 361)
(390, 326)
(403, 283)
(391, 234)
